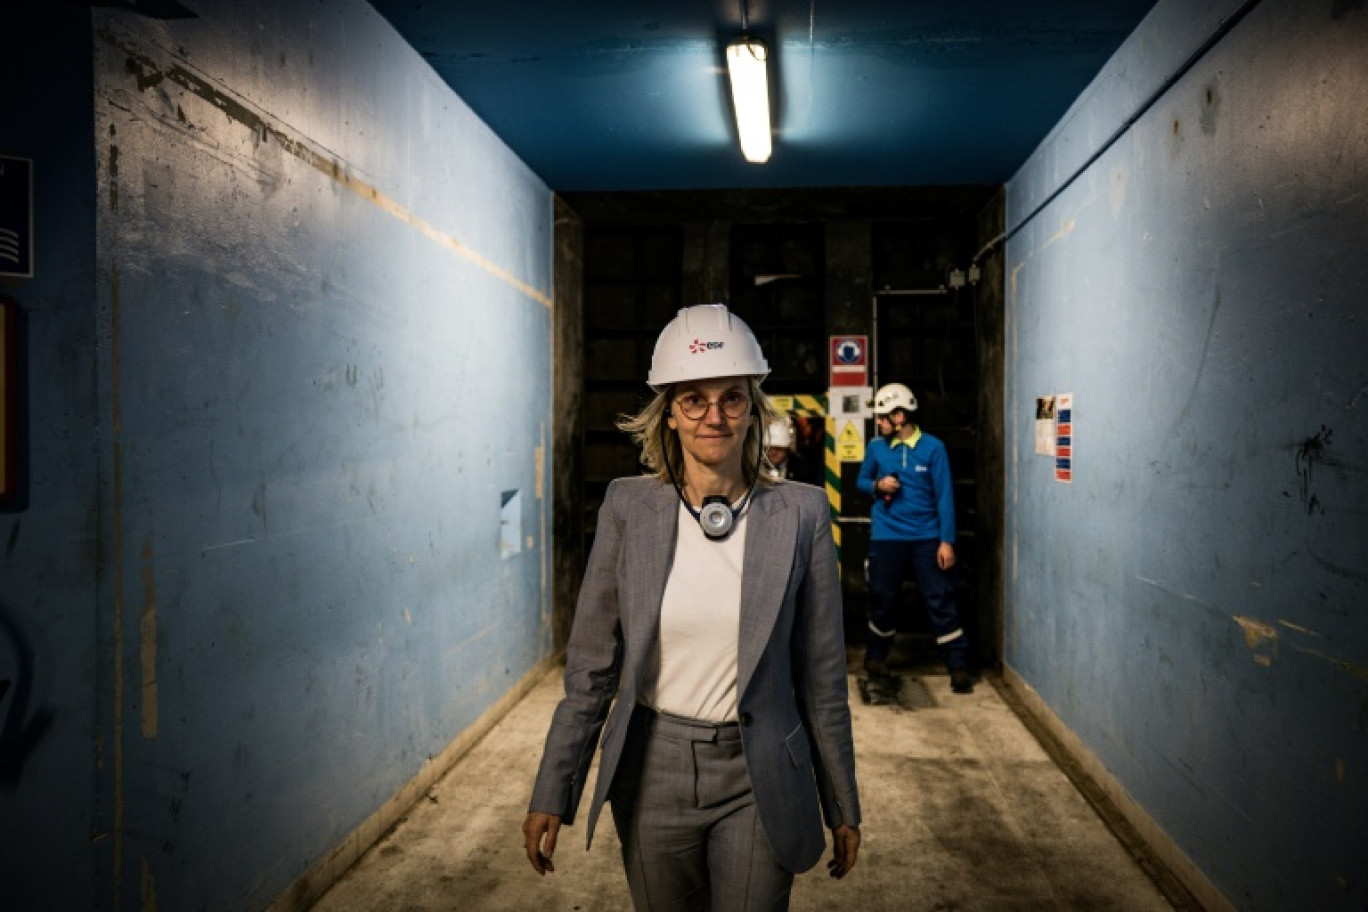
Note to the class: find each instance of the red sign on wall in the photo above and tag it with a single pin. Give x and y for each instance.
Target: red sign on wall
(849, 360)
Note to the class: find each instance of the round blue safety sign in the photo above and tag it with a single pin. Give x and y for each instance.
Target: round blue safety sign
(849, 351)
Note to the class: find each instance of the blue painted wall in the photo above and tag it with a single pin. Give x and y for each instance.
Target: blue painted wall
(1192, 605)
(312, 350)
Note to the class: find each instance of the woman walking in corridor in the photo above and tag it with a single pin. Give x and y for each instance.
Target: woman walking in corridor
(710, 620)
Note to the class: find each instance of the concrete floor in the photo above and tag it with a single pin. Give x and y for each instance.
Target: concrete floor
(964, 812)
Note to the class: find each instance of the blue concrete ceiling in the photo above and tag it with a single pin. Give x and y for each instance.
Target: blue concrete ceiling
(602, 95)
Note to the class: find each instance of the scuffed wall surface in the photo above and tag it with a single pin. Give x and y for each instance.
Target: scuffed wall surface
(1192, 605)
(48, 748)
(324, 372)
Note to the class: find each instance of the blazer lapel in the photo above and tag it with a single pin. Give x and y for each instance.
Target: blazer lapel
(771, 534)
(648, 558)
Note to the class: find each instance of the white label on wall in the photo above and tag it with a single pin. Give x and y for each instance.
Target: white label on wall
(510, 524)
(1045, 426)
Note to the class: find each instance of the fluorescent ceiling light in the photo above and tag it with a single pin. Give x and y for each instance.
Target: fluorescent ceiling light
(746, 58)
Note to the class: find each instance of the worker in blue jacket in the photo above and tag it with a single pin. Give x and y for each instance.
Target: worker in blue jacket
(907, 472)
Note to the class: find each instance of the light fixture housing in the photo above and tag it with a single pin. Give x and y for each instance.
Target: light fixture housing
(747, 60)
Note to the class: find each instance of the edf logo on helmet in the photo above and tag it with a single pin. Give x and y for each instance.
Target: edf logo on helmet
(696, 346)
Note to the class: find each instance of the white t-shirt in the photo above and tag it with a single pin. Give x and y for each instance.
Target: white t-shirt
(693, 670)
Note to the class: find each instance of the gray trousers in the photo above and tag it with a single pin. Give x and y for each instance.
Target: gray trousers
(685, 814)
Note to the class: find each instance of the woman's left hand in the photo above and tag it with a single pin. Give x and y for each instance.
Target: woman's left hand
(845, 842)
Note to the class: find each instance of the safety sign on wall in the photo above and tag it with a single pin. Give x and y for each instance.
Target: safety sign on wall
(849, 442)
(849, 360)
(1064, 437)
(849, 408)
(16, 217)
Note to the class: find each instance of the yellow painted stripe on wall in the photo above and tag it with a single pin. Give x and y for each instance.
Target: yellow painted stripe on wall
(240, 111)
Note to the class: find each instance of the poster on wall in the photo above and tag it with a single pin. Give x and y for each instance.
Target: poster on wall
(1064, 437)
(1045, 426)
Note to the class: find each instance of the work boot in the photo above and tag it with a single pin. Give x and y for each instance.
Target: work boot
(876, 668)
(960, 682)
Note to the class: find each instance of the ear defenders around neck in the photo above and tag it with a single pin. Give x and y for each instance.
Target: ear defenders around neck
(717, 516)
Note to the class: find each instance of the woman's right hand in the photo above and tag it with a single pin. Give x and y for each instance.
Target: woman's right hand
(539, 839)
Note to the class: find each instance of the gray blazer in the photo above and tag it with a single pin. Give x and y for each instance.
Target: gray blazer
(791, 667)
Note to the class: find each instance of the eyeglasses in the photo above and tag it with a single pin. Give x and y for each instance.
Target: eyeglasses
(732, 403)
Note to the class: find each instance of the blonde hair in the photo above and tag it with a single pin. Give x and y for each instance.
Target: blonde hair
(660, 449)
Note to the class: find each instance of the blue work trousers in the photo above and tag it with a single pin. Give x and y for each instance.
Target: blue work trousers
(893, 562)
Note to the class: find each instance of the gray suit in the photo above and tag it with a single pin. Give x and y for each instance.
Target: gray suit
(791, 669)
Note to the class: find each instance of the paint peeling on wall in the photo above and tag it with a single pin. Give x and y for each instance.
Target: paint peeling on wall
(148, 73)
(1066, 228)
(1264, 639)
(1257, 634)
(539, 480)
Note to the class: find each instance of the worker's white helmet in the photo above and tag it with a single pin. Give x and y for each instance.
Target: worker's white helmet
(893, 396)
(779, 434)
(702, 342)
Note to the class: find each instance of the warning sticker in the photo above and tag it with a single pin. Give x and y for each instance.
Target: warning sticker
(850, 442)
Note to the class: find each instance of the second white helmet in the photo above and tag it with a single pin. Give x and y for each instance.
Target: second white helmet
(779, 434)
(702, 342)
(894, 395)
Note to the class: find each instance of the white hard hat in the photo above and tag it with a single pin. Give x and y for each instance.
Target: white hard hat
(779, 434)
(892, 396)
(702, 342)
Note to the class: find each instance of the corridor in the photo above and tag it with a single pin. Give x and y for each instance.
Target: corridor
(964, 812)
(318, 321)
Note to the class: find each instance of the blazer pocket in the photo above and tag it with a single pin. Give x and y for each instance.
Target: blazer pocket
(799, 751)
